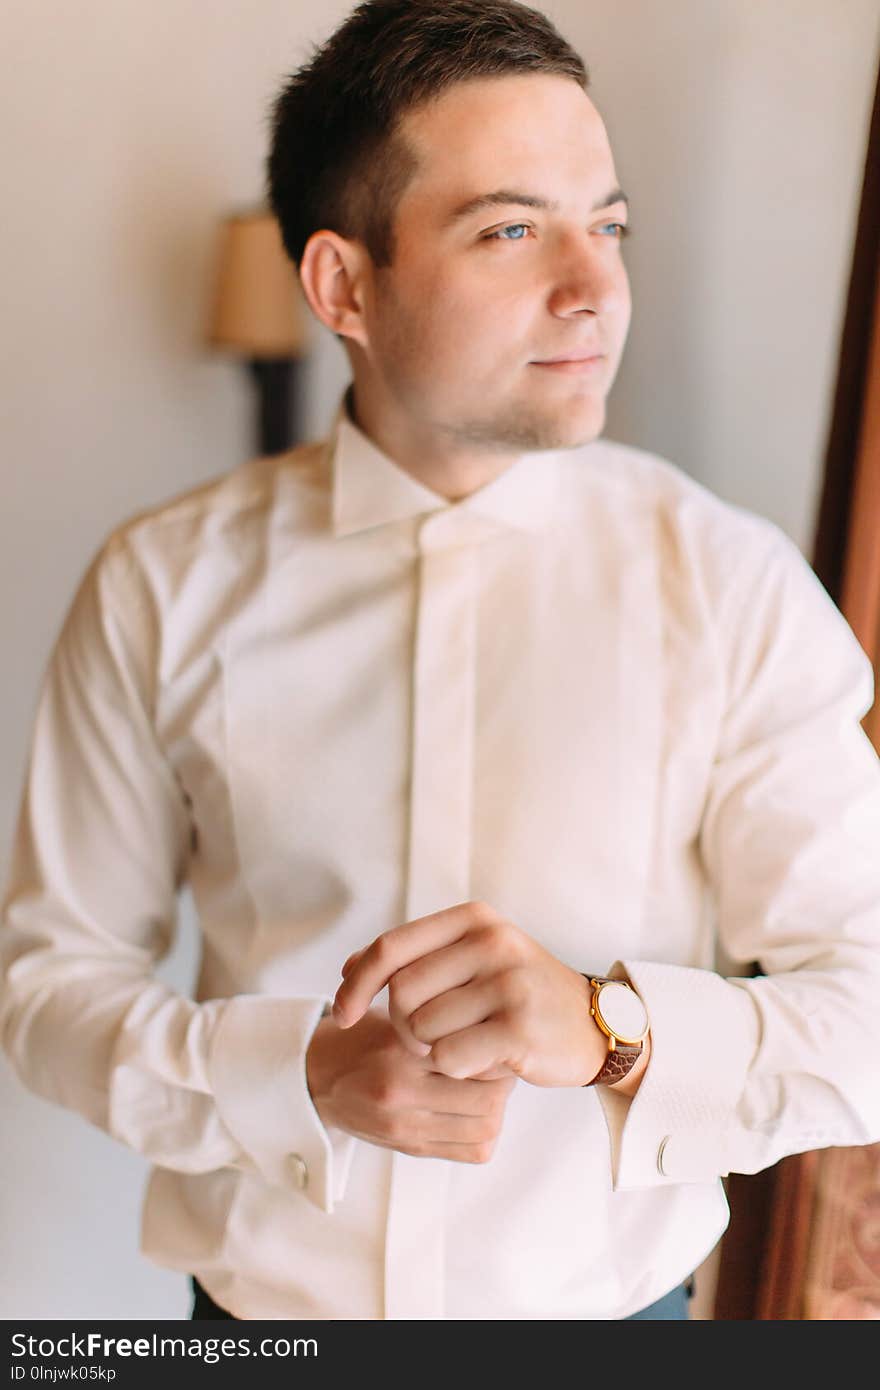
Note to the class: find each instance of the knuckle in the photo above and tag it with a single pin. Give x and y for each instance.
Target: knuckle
(492, 936)
(382, 949)
(389, 1056)
(481, 911)
(496, 1119)
(485, 1130)
(483, 1151)
(383, 1092)
(496, 1113)
(514, 983)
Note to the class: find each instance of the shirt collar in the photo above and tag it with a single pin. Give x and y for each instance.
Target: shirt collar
(369, 489)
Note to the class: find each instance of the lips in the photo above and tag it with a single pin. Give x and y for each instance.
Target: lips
(571, 362)
(582, 355)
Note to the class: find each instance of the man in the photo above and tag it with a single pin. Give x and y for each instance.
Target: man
(468, 704)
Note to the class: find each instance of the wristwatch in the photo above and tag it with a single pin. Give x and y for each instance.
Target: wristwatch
(623, 1018)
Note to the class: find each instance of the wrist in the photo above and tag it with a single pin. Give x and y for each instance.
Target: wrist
(595, 1045)
(319, 1068)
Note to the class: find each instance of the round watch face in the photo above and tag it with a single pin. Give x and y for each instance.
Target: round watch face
(622, 1012)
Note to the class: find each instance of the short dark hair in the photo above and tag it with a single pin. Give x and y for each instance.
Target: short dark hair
(336, 159)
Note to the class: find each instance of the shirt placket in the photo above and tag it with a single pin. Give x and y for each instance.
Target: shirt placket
(438, 876)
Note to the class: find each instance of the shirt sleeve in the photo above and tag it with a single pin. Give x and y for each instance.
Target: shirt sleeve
(745, 1070)
(99, 854)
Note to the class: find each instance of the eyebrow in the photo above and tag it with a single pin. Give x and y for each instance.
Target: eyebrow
(506, 197)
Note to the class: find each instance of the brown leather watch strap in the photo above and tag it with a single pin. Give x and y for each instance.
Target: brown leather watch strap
(618, 1064)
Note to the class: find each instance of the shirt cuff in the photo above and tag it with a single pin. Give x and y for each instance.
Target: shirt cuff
(257, 1072)
(704, 1035)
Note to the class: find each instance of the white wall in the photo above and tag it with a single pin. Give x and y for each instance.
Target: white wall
(128, 130)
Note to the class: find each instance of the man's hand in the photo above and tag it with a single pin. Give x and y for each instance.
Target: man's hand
(363, 1080)
(479, 996)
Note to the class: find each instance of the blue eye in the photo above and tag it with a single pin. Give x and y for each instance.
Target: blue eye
(510, 233)
(518, 231)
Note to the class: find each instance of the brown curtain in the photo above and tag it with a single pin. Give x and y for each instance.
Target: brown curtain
(804, 1237)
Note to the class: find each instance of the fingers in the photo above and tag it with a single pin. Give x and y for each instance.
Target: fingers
(424, 1004)
(447, 1095)
(454, 1153)
(449, 1012)
(485, 1047)
(452, 1011)
(463, 1122)
(385, 1096)
(369, 970)
(434, 975)
(347, 965)
(496, 1074)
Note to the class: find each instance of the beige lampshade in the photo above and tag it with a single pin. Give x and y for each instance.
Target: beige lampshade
(258, 308)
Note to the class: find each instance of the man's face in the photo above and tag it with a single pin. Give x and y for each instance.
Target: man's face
(506, 276)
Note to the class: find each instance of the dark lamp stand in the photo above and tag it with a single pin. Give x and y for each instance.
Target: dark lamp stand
(276, 380)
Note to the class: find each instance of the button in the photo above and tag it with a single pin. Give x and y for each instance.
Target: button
(298, 1170)
(660, 1155)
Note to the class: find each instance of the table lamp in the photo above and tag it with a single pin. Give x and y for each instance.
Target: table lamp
(259, 313)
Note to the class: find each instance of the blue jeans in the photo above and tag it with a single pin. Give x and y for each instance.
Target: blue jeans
(672, 1306)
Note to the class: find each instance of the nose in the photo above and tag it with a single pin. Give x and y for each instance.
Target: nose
(589, 277)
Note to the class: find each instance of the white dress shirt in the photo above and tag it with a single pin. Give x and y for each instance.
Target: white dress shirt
(620, 710)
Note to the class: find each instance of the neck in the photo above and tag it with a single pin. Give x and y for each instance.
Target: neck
(449, 468)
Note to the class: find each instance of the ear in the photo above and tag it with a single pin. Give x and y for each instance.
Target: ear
(332, 272)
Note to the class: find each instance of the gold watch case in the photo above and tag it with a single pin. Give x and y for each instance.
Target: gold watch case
(612, 1029)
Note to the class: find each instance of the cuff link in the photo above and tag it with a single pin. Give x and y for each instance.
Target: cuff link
(661, 1153)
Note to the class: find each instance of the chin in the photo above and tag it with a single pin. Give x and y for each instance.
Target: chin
(533, 430)
(568, 429)
(576, 436)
